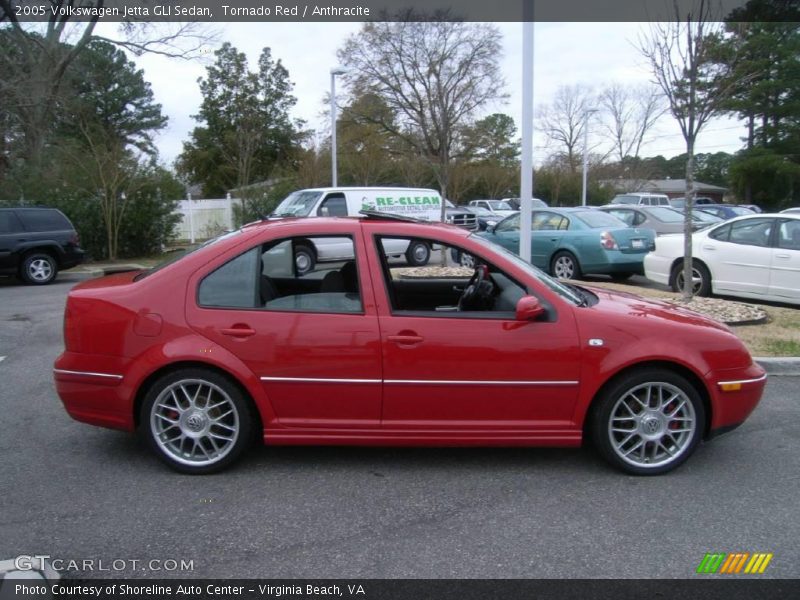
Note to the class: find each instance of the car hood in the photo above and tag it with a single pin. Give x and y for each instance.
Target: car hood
(622, 304)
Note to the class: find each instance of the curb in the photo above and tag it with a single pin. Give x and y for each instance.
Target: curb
(789, 365)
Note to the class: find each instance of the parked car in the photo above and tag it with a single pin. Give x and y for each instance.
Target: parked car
(725, 211)
(795, 209)
(497, 207)
(35, 243)
(658, 218)
(486, 218)
(704, 219)
(230, 343)
(569, 242)
(516, 203)
(756, 256)
(641, 199)
(754, 207)
(418, 203)
(698, 201)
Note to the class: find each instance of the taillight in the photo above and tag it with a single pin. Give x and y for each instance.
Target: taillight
(608, 242)
(75, 239)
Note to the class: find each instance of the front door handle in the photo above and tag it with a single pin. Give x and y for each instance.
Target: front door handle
(406, 340)
(238, 331)
(782, 256)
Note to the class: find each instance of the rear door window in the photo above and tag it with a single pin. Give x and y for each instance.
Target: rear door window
(9, 223)
(43, 220)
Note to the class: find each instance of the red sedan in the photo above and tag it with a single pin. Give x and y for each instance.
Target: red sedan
(230, 343)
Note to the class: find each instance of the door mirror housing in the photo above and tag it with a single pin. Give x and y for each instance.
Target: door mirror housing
(529, 309)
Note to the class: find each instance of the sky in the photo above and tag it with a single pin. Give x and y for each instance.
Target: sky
(592, 54)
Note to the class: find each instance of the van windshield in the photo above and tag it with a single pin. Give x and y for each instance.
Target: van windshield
(296, 204)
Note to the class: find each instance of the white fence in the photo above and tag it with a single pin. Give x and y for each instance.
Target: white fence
(204, 218)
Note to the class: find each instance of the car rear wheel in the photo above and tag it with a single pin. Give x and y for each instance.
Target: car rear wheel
(565, 266)
(39, 269)
(196, 421)
(648, 423)
(701, 278)
(418, 254)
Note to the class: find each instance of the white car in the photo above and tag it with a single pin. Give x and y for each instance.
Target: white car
(756, 256)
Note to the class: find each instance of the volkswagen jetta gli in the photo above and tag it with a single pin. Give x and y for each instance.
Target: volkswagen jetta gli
(230, 343)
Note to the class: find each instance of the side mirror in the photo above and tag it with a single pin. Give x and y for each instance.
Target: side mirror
(324, 211)
(529, 309)
(491, 227)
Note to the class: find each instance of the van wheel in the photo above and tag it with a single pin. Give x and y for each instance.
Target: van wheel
(418, 254)
(38, 269)
(304, 258)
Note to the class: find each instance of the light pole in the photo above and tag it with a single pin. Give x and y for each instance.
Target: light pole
(526, 159)
(334, 72)
(586, 114)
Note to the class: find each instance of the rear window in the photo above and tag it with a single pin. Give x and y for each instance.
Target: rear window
(666, 215)
(597, 219)
(37, 219)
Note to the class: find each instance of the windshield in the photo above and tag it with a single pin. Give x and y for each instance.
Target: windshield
(597, 219)
(500, 205)
(297, 204)
(740, 211)
(541, 276)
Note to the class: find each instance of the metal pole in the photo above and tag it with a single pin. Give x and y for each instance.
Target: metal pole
(526, 166)
(585, 154)
(333, 129)
(191, 218)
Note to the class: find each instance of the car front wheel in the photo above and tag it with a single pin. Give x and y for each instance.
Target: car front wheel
(39, 269)
(196, 421)
(648, 423)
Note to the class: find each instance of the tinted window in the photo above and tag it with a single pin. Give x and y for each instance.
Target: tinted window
(233, 285)
(721, 233)
(335, 205)
(789, 235)
(9, 222)
(43, 220)
(751, 232)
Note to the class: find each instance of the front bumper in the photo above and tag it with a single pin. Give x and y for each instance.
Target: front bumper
(734, 393)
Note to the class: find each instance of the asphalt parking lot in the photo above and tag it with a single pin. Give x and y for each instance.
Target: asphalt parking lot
(77, 492)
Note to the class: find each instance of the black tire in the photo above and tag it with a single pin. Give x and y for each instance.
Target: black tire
(305, 258)
(565, 265)
(220, 421)
(462, 259)
(648, 441)
(38, 268)
(699, 272)
(418, 254)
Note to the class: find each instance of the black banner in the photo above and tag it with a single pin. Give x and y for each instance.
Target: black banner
(717, 588)
(367, 10)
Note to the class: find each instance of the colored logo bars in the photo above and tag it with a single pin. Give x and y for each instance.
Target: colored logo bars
(736, 562)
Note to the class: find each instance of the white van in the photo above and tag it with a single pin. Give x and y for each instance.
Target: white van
(641, 199)
(420, 203)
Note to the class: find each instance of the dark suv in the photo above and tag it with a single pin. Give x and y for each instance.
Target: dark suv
(36, 242)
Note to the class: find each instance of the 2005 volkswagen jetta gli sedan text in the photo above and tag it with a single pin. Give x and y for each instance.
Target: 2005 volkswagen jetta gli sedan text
(229, 343)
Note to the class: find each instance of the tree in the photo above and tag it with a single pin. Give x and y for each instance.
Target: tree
(682, 61)
(433, 76)
(365, 148)
(630, 114)
(246, 131)
(563, 120)
(765, 36)
(36, 60)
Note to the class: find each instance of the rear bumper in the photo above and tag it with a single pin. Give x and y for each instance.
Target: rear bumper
(617, 262)
(93, 390)
(73, 258)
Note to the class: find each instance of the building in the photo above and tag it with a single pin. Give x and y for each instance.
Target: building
(673, 188)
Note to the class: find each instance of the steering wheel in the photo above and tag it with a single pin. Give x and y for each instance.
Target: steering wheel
(478, 290)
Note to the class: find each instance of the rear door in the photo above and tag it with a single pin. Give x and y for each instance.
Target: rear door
(311, 339)
(547, 233)
(784, 279)
(740, 256)
(11, 235)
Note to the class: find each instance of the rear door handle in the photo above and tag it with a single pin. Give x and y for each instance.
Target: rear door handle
(238, 331)
(405, 340)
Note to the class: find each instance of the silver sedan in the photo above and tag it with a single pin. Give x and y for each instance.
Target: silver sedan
(661, 219)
